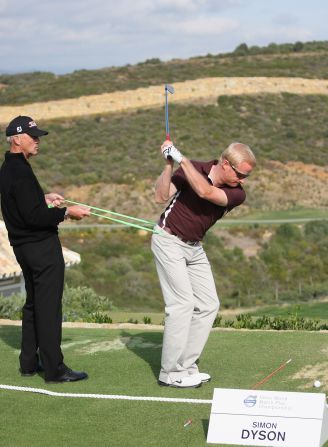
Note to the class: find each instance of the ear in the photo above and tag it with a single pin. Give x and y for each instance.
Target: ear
(224, 163)
(16, 140)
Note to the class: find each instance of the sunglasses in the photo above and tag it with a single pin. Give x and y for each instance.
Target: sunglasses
(239, 174)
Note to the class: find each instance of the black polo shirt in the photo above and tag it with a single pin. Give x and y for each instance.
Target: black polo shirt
(24, 209)
(189, 216)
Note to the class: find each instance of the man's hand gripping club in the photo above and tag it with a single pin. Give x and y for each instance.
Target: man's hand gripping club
(170, 152)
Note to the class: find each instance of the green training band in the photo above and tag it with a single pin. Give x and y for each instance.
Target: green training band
(125, 223)
(149, 222)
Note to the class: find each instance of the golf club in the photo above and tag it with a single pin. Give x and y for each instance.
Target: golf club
(170, 89)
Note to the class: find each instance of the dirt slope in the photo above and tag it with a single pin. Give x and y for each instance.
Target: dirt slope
(189, 91)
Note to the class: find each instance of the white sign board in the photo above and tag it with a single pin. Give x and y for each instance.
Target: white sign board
(268, 418)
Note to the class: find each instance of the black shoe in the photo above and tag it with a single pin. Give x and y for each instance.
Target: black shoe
(69, 376)
(30, 373)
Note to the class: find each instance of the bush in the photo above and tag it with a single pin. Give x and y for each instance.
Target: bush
(81, 303)
(132, 321)
(99, 317)
(241, 50)
(292, 322)
(217, 321)
(11, 307)
(298, 46)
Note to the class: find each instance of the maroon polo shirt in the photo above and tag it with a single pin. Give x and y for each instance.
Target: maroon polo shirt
(188, 216)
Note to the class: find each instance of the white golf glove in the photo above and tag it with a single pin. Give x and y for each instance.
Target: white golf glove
(171, 152)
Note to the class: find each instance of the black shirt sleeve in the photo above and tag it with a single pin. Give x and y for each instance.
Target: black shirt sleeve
(32, 206)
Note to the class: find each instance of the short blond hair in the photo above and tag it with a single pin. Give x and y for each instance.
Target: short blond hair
(236, 153)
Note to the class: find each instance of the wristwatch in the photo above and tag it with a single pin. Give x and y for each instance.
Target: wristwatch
(66, 215)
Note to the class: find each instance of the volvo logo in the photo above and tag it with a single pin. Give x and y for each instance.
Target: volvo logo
(250, 401)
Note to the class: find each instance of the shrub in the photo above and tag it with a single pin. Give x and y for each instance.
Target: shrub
(217, 321)
(11, 306)
(298, 46)
(241, 50)
(131, 320)
(80, 303)
(292, 322)
(99, 317)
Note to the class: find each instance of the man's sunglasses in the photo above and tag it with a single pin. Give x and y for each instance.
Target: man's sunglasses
(239, 174)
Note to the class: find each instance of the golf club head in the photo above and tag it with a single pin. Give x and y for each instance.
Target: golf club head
(169, 88)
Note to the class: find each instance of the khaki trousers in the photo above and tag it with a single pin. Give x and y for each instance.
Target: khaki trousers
(191, 303)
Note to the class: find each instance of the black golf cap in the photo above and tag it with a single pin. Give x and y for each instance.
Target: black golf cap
(24, 124)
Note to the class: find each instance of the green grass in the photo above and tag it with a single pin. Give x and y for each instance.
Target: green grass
(124, 317)
(235, 359)
(293, 213)
(315, 311)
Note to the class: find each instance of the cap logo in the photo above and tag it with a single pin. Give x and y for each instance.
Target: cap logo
(32, 124)
(19, 129)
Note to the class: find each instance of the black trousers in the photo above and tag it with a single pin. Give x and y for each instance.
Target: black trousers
(43, 266)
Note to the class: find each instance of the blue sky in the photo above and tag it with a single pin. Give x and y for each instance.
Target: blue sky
(66, 35)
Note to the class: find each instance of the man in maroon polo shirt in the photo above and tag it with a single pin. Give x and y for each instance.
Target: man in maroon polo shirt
(200, 193)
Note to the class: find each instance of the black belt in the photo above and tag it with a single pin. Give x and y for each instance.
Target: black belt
(168, 230)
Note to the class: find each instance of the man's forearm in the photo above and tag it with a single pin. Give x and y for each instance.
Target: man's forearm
(162, 187)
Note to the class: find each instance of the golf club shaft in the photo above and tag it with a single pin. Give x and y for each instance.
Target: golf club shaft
(167, 127)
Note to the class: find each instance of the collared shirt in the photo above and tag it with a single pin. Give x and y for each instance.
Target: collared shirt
(188, 215)
(24, 209)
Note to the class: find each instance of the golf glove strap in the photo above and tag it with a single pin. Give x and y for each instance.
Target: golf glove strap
(173, 152)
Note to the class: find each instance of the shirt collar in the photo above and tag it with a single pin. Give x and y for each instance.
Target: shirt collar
(207, 166)
(15, 156)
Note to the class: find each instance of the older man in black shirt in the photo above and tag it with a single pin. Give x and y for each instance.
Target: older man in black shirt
(33, 233)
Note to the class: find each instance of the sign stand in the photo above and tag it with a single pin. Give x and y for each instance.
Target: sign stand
(268, 418)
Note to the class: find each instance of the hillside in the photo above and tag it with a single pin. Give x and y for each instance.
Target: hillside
(204, 91)
(103, 148)
(105, 129)
(305, 60)
(266, 191)
(121, 150)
